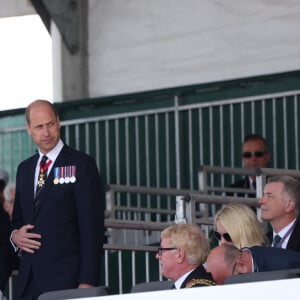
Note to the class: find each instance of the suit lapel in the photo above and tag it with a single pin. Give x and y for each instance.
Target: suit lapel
(270, 237)
(29, 184)
(42, 196)
(294, 241)
(246, 184)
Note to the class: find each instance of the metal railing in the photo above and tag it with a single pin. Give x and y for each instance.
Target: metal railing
(142, 226)
(163, 146)
(161, 149)
(185, 203)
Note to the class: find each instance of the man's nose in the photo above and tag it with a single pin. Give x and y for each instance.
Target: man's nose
(261, 200)
(46, 131)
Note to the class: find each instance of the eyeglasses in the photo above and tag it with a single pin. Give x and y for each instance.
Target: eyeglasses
(161, 250)
(248, 154)
(225, 235)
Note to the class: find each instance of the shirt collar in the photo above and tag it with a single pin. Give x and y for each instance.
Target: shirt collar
(181, 279)
(52, 155)
(251, 183)
(283, 231)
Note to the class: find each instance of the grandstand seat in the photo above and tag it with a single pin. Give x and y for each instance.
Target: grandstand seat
(75, 293)
(152, 286)
(263, 276)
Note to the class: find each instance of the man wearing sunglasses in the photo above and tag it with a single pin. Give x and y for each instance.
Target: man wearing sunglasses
(255, 154)
(183, 250)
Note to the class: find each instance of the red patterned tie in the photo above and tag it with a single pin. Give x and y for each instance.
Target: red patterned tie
(43, 173)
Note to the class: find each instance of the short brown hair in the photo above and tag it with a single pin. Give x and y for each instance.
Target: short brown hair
(38, 103)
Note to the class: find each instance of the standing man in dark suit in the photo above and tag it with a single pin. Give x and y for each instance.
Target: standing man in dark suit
(280, 207)
(183, 250)
(58, 217)
(227, 260)
(255, 154)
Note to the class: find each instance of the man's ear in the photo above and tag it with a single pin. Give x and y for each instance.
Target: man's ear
(28, 129)
(241, 266)
(58, 122)
(180, 256)
(290, 205)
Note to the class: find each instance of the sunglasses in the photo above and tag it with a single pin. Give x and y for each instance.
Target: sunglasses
(225, 235)
(256, 154)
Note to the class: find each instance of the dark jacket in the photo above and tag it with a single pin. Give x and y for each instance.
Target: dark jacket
(273, 259)
(7, 254)
(294, 240)
(198, 277)
(242, 184)
(69, 217)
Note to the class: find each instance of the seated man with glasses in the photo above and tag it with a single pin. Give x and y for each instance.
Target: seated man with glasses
(227, 260)
(184, 249)
(255, 154)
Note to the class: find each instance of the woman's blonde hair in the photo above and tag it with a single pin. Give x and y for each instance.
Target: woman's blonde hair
(241, 223)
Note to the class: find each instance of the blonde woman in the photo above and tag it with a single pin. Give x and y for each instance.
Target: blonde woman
(237, 224)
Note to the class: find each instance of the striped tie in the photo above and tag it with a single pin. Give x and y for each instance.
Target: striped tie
(276, 240)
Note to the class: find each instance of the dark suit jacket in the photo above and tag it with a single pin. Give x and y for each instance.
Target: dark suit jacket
(6, 253)
(243, 184)
(273, 259)
(70, 219)
(199, 277)
(294, 241)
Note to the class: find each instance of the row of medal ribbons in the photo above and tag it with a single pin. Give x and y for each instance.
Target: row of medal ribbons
(65, 174)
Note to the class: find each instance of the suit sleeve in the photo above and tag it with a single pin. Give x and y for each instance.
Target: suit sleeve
(90, 202)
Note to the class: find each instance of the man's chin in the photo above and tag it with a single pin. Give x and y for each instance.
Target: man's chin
(264, 217)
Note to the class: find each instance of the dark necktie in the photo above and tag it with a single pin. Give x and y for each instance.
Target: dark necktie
(254, 185)
(42, 173)
(276, 240)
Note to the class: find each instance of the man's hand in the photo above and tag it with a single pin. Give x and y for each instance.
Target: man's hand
(25, 240)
